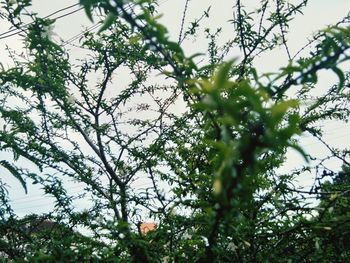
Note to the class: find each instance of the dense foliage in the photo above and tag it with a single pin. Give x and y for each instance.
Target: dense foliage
(206, 135)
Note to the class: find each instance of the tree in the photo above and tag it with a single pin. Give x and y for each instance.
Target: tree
(331, 225)
(214, 187)
(37, 239)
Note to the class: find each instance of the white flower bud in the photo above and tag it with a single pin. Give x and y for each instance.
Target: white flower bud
(206, 242)
(70, 99)
(231, 246)
(47, 32)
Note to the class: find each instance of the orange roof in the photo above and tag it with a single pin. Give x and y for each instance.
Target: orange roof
(145, 227)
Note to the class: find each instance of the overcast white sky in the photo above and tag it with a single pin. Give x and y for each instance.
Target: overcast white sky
(317, 15)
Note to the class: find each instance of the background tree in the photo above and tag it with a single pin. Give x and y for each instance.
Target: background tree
(216, 192)
(331, 225)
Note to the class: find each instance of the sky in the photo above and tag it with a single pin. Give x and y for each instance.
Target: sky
(317, 15)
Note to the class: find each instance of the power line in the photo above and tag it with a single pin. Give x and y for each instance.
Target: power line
(93, 27)
(77, 36)
(49, 15)
(38, 197)
(15, 31)
(60, 10)
(80, 187)
(25, 209)
(326, 133)
(330, 139)
(47, 202)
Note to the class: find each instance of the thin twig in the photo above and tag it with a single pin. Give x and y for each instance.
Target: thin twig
(183, 21)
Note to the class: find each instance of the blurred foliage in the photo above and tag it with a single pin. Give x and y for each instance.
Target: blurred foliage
(196, 143)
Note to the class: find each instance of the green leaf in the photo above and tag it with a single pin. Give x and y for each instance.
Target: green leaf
(223, 74)
(109, 20)
(341, 77)
(280, 109)
(134, 39)
(14, 171)
(300, 150)
(173, 46)
(88, 8)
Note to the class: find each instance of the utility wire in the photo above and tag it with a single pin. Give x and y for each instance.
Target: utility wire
(329, 139)
(339, 130)
(49, 15)
(22, 200)
(15, 31)
(38, 197)
(93, 27)
(77, 36)
(47, 202)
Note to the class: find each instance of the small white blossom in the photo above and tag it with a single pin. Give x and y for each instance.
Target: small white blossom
(231, 246)
(247, 243)
(121, 236)
(100, 218)
(317, 244)
(70, 99)
(124, 254)
(209, 101)
(206, 242)
(47, 32)
(217, 186)
(166, 259)
(187, 145)
(187, 236)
